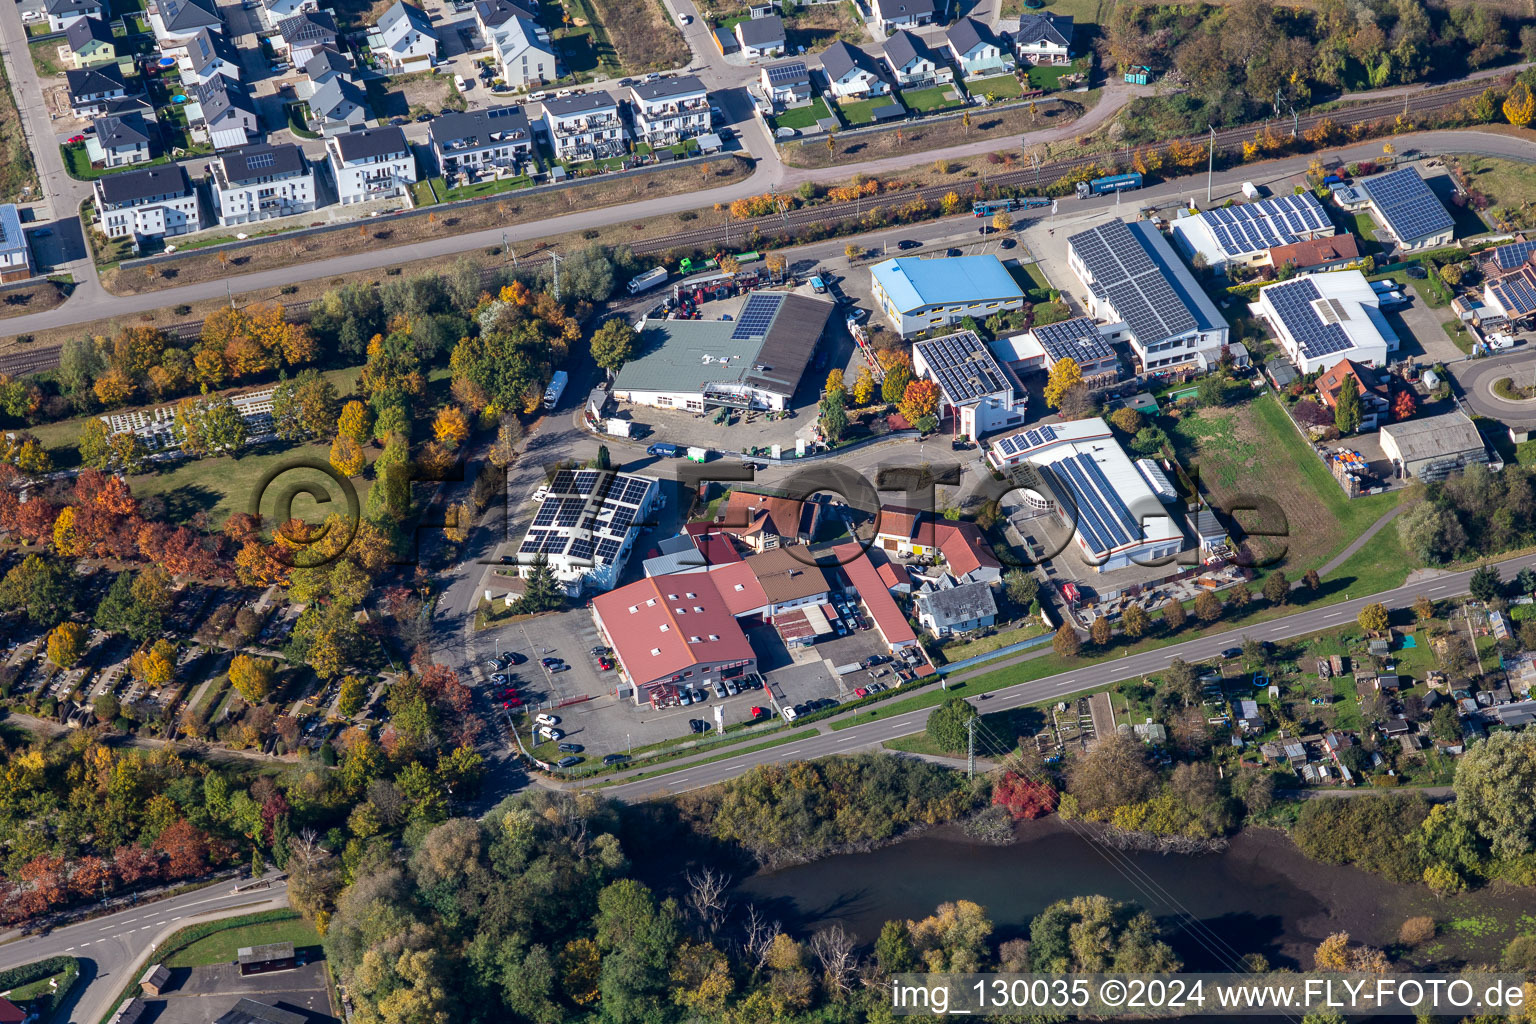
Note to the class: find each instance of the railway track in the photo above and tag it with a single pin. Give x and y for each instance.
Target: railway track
(38, 360)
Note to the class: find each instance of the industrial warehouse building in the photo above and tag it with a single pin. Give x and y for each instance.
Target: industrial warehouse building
(920, 295)
(977, 395)
(1323, 318)
(1246, 235)
(1407, 209)
(1433, 447)
(753, 362)
(1116, 508)
(586, 526)
(1137, 284)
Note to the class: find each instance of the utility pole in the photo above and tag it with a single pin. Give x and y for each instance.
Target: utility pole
(1210, 165)
(555, 258)
(970, 749)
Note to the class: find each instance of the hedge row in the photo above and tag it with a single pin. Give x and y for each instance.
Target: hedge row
(26, 974)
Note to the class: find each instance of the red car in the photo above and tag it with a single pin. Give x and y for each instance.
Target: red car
(605, 664)
(860, 692)
(759, 712)
(76, 138)
(511, 703)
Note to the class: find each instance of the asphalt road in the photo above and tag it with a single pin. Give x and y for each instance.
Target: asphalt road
(115, 949)
(1476, 377)
(1089, 676)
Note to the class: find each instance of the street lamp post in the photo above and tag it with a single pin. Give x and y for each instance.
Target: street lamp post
(1210, 162)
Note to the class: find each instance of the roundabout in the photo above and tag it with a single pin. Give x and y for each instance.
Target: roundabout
(1496, 388)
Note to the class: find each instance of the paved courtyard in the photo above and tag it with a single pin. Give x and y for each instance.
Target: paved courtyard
(197, 995)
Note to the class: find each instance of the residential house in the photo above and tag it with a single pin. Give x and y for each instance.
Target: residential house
(210, 54)
(787, 83)
(763, 522)
(1044, 39)
(260, 182)
(375, 163)
(274, 12)
(890, 15)
(327, 66)
(225, 110)
(90, 43)
(64, 13)
(97, 90)
(584, 126)
(175, 22)
(1331, 252)
(978, 52)
(1373, 394)
(339, 106)
(304, 35)
(15, 252)
(121, 140)
(913, 65)
(404, 40)
(521, 45)
(946, 607)
(498, 137)
(761, 37)
(851, 73)
(960, 546)
(154, 202)
(669, 110)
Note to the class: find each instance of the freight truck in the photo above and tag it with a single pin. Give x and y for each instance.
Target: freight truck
(1104, 186)
(648, 280)
(556, 388)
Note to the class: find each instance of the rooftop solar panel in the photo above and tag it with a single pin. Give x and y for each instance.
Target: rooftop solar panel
(561, 484)
(1406, 204)
(756, 316)
(1516, 294)
(1508, 257)
(1118, 262)
(786, 73)
(581, 547)
(1047, 433)
(608, 550)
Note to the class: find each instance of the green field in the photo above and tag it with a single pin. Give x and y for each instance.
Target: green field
(222, 946)
(803, 117)
(999, 87)
(1508, 184)
(1048, 76)
(925, 101)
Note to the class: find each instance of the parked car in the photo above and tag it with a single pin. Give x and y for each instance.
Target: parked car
(720, 691)
(605, 663)
(550, 733)
(1006, 243)
(571, 748)
(1232, 652)
(908, 243)
(615, 758)
(791, 713)
(567, 762)
(550, 662)
(731, 688)
(598, 652)
(859, 691)
(498, 678)
(547, 719)
(513, 658)
(684, 697)
(686, 19)
(698, 725)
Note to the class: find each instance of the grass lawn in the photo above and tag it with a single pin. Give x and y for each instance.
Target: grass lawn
(45, 55)
(999, 87)
(925, 101)
(1037, 281)
(78, 163)
(1363, 226)
(988, 644)
(857, 112)
(1082, 11)
(479, 188)
(1511, 186)
(803, 117)
(222, 946)
(1048, 76)
(1253, 451)
(22, 994)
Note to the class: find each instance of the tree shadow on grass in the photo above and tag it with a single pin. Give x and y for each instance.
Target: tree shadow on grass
(181, 503)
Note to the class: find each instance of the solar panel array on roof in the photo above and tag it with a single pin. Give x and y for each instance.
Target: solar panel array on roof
(1407, 204)
(1293, 301)
(258, 160)
(1135, 285)
(587, 513)
(1516, 294)
(1280, 220)
(1102, 517)
(1029, 440)
(757, 315)
(1078, 339)
(781, 74)
(963, 366)
(1511, 256)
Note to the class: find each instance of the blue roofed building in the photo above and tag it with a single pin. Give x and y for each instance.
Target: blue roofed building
(1408, 210)
(920, 295)
(15, 253)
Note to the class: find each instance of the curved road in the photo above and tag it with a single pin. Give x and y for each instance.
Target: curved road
(1477, 377)
(116, 948)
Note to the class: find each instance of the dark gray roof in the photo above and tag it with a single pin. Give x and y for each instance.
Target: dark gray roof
(219, 95)
(328, 58)
(61, 8)
(839, 59)
(891, 10)
(113, 131)
(903, 48)
(415, 16)
(206, 47)
(475, 129)
(788, 345)
(1054, 28)
(333, 94)
(787, 72)
(580, 103)
(1147, 285)
(131, 186)
(372, 142)
(88, 81)
(189, 15)
(660, 89)
(495, 12)
(249, 163)
(759, 32)
(968, 33)
(249, 1011)
(964, 603)
(85, 30)
(310, 27)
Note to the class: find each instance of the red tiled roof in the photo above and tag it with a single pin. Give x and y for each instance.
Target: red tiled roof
(716, 549)
(746, 513)
(653, 623)
(892, 574)
(962, 544)
(738, 587)
(872, 590)
(1328, 384)
(1316, 252)
(10, 1013)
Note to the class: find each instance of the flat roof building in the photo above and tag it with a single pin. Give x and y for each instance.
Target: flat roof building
(1112, 505)
(586, 526)
(923, 294)
(249, 1011)
(977, 395)
(1433, 447)
(263, 959)
(1320, 319)
(1080, 340)
(1245, 234)
(1136, 283)
(1408, 209)
(753, 362)
(670, 630)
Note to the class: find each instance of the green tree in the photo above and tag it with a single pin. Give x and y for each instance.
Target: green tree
(92, 445)
(354, 690)
(1346, 409)
(1096, 934)
(304, 406)
(1213, 391)
(1183, 681)
(894, 387)
(210, 425)
(1149, 441)
(1373, 618)
(1134, 621)
(834, 416)
(947, 724)
(1277, 588)
(637, 939)
(41, 588)
(1021, 586)
(1494, 780)
(613, 344)
(122, 611)
(541, 591)
(893, 949)
(1485, 584)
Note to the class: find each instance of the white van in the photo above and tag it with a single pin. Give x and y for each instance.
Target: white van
(460, 84)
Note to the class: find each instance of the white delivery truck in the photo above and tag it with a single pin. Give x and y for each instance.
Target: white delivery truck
(1250, 190)
(698, 454)
(556, 388)
(648, 280)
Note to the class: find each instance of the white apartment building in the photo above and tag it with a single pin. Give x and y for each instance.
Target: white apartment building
(375, 163)
(152, 203)
(261, 182)
(670, 109)
(584, 127)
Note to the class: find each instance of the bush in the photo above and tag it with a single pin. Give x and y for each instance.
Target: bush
(289, 289)
(1416, 930)
(183, 310)
(36, 971)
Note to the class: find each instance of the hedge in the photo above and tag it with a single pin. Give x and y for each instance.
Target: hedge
(26, 974)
